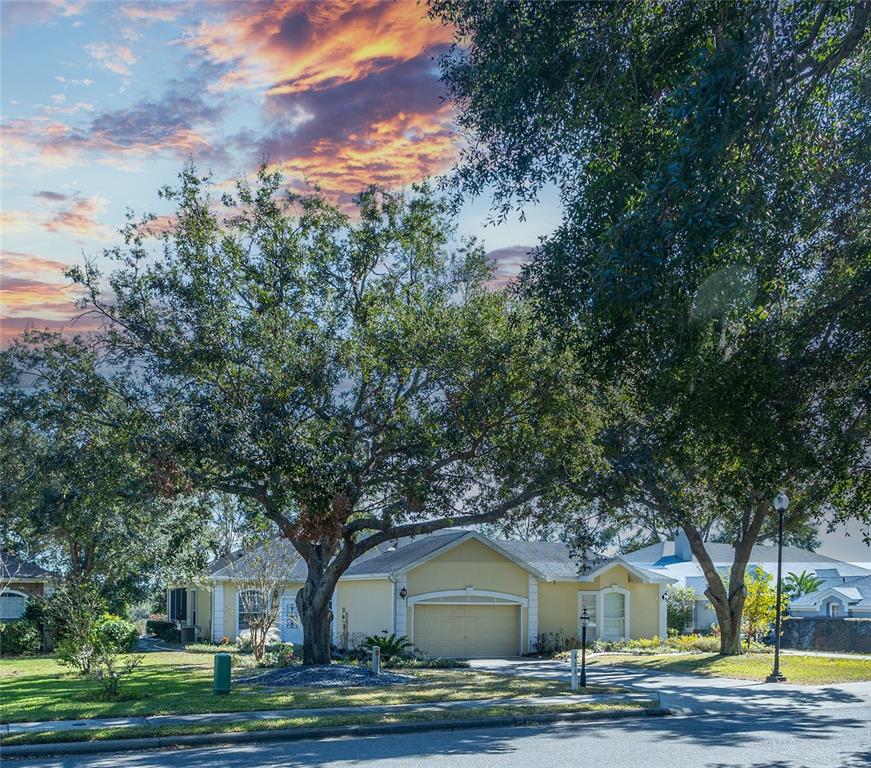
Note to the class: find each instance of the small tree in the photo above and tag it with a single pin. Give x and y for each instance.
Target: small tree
(798, 584)
(262, 574)
(760, 605)
(680, 606)
(75, 611)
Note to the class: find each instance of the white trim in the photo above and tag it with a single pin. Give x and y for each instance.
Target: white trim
(663, 613)
(238, 607)
(532, 614)
(600, 611)
(467, 593)
(334, 624)
(218, 613)
(645, 576)
(400, 613)
(592, 629)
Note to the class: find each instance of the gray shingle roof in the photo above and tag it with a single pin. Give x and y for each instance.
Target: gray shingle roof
(662, 553)
(18, 567)
(551, 559)
(857, 589)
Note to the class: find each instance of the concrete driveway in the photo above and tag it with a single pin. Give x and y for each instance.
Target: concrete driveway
(694, 694)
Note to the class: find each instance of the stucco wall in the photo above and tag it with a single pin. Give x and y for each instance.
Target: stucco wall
(558, 607)
(27, 587)
(369, 605)
(470, 564)
(204, 611)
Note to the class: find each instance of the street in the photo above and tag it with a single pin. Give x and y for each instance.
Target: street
(728, 724)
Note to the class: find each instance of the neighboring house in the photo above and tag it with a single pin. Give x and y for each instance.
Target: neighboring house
(21, 579)
(454, 593)
(837, 598)
(675, 559)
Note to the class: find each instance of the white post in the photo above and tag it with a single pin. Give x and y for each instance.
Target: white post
(574, 669)
(376, 660)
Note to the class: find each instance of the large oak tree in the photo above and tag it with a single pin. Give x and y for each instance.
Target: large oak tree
(355, 376)
(713, 164)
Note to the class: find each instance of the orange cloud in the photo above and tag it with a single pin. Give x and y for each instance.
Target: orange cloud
(31, 285)
(76, 217)
(113, 56)
(291, 46)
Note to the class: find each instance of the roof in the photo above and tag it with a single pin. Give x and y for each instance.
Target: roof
(19, 568)
(856, 590)
(548, 560)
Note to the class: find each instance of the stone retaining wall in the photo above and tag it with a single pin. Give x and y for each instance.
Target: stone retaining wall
(820, 633)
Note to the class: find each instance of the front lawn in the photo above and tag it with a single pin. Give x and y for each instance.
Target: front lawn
(181, 683)
(805, 670)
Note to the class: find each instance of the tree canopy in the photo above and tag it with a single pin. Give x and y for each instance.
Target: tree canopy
(713, 165)
(356, 377)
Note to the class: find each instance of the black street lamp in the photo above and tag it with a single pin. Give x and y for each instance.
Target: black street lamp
(585, 617)
(781, 502)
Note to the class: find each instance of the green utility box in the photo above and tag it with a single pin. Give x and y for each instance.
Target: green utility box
(221, 684)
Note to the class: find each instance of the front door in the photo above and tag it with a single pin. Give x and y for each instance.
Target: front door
(614, 616)
(291, 627)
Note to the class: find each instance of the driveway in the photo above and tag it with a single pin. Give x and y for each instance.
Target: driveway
(693, 694)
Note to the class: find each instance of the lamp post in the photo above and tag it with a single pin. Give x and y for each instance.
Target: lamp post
(585, 617)
(781, 502)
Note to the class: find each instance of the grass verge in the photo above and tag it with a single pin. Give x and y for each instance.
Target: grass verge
(804, 670)
(171, 683)
(102, 734)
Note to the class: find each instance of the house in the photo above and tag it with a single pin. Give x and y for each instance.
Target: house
(453, 593)
(675, 559)
(839, 597)
(20, 579)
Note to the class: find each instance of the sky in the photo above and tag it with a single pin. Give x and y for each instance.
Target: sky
(102, 102)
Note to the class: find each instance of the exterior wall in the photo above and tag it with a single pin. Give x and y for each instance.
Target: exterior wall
(703, 615)
(204, 611)
(369, 604)
(470, 564)
(558, 604)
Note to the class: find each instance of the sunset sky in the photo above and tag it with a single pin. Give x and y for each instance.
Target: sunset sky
(103, 101)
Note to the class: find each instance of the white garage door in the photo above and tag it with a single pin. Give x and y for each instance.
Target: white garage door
(467, 631)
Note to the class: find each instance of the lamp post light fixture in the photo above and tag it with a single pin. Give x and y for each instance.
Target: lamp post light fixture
(585, 618)
(781, 503)
(403, 593)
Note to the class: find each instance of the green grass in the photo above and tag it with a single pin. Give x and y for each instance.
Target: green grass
(804, 670)
(102, 734)
(181, 683)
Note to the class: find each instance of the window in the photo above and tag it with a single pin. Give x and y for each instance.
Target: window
(250, 607)
(588, 600)
(178, 604)
(12, 605)
(834, 609)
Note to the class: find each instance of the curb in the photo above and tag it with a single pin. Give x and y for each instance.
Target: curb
(301, 734)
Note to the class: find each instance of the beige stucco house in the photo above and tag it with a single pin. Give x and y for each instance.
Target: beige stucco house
(454, 593)
(21, 579)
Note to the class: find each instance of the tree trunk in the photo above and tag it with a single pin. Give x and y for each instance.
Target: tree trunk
(728, 605)
(313, 603)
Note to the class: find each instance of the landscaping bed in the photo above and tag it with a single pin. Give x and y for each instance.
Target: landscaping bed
(803, 670)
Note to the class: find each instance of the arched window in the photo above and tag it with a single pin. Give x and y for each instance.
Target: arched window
(250, 607)
(12, 604)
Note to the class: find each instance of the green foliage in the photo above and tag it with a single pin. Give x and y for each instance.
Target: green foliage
(390, 645)
(797, 584)
(20, 638)
(76, 610)
(279, 655)
(680, 607)
(210, 648)
(165, 630)
(713, 261)
(114, 632)
(760, 605)
(425, 662)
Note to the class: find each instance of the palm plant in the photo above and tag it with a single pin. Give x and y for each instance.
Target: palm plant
(390, 645)
(798, 584)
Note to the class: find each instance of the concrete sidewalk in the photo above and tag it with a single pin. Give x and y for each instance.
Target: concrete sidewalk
(207, 718)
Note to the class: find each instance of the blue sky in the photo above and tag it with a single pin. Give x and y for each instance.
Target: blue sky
(102, 102)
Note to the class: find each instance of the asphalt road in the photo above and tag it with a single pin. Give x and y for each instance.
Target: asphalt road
(805, 740)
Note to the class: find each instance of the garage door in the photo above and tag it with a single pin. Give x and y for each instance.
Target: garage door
(467, 630)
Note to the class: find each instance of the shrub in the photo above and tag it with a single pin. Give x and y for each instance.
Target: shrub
(390, 645)
(20, 638)
(425, 662)
(110, 670)
(555, 642)
(116, 633)
(37, 610)
(680, 607)
(278, 655)
(210, 648)
(76, 609)
(165, 630)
